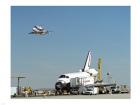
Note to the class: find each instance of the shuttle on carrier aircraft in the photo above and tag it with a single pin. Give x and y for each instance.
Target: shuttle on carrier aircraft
(86, 76)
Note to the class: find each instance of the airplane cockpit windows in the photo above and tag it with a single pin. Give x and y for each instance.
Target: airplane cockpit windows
(63, 76)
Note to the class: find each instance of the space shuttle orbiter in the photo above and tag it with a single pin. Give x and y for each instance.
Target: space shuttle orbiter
(63, 82)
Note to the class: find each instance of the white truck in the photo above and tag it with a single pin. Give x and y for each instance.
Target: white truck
(13, 91)
(88, 90)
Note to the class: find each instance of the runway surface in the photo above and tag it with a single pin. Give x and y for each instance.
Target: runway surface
(101, 96)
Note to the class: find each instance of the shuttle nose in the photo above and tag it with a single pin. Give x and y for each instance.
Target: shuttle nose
(58, 86)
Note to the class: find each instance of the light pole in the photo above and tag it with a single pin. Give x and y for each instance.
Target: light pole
(18, 84)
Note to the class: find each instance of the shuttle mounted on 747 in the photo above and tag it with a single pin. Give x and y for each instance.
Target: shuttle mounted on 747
(39, 30)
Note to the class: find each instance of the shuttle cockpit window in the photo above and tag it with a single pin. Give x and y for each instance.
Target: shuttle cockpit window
(63, 76)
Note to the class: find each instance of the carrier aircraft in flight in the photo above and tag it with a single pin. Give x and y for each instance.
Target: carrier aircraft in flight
(39, 30)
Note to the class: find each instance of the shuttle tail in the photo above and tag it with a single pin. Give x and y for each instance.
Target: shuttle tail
(88, 62)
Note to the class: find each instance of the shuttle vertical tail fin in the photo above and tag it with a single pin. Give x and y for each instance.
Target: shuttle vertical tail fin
(88, 62)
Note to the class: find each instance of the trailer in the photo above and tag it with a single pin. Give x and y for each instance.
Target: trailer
(80, 85)
(75, 82)
(124, 89)
(13, 91)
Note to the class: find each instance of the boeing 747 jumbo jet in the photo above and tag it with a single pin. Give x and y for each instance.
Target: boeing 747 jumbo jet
(63, 82)
(39, 30)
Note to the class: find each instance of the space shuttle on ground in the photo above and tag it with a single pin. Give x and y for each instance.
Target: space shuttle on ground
(63, 82)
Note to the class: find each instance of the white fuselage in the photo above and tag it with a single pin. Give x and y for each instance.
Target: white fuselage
(39, 30)
(65, 78)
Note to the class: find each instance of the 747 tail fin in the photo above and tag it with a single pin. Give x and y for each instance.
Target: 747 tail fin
(88, 62)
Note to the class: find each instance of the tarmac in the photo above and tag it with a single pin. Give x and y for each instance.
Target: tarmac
(99, 96)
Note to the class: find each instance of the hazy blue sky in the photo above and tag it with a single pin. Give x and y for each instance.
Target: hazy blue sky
(103, 30)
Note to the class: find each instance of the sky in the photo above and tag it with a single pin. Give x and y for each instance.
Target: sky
(104, 30)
